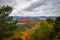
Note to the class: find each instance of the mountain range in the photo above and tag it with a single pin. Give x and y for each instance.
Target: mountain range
(37, 17)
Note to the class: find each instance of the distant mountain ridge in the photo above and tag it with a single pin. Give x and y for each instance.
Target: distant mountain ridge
(15, 17)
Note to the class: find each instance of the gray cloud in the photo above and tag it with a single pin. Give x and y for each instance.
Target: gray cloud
(42, 7)
(35, 5)
(49, 7)
(7, 2)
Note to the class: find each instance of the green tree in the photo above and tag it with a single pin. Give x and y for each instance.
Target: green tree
(56, 29)
(7, 25)
(42, 32)
(50, 21)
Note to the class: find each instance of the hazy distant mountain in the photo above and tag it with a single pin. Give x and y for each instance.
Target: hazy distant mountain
(15, 17)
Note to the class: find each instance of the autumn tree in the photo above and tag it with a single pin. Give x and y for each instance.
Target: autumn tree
(42, 32)
(7, 25)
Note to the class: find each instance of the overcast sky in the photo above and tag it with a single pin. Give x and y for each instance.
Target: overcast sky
(33, 7)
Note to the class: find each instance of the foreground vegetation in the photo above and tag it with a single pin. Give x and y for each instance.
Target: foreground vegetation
(48, 29)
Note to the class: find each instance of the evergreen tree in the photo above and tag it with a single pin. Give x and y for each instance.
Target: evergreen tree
(50, 21)
(7, 25)
(56, 29)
